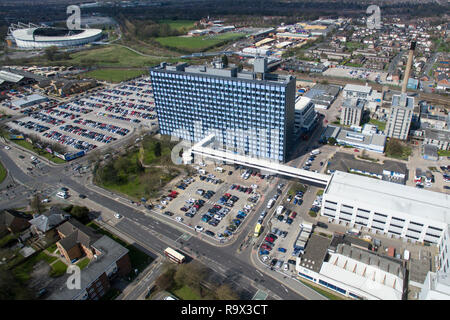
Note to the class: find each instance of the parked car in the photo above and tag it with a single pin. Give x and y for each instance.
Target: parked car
(199, 228)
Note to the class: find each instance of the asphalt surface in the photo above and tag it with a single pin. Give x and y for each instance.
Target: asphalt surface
(154, 234)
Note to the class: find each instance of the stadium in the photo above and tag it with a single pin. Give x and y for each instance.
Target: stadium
(34, 36)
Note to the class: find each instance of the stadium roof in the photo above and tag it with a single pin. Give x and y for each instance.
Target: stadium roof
(28, 34)
(391, 196)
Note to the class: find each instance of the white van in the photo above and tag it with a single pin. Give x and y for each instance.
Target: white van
(270, 203)
(219, 169)
(280, 209)
(62, 195)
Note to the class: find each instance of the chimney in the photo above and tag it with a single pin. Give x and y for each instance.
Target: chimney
(408, 66)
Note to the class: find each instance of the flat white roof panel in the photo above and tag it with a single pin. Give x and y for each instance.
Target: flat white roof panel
(387, 195)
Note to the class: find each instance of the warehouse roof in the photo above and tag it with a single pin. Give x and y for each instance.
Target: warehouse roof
(390, 196)
(355, 87)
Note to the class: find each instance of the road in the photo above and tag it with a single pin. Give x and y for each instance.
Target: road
(151, 233)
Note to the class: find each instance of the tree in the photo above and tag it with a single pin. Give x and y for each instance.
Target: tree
(190, 274)
(50, 52)
(166, 280)
(36, 203)
(332, 141)
(157, 150)
(80, 213)
(11, 289)
(225, 60)
(224, 292)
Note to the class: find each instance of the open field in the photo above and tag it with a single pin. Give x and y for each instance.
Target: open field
(113, 56)
(178, 24)
(380, 124)
(114, 75)
(200, 43)
(186, 293)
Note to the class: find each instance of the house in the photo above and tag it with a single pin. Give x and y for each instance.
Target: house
(13, 221)
(47, 221)
(76, 240)
(109, 260)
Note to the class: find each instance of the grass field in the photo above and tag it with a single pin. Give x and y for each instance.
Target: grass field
(23, 271)
(380, 124)
(178, 24)
(83, 263)
(58, 269)
(2, 172)
(201, 43)
(40, 152)
(442, 153)
(114, 75)
(186, 293)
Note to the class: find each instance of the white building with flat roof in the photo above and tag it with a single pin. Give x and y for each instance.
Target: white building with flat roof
(357, 91)
(305, 114)
(383, 207)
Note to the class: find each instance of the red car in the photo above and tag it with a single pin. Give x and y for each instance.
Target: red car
(293, 214)
(266, 247)
(269, 239)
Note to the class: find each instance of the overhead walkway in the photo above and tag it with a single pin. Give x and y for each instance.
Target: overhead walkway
(202, 149)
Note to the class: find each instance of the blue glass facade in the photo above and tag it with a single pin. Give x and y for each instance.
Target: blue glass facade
(251, 117)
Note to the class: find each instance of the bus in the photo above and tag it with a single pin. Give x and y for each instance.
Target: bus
(174, 256)
(257, 230)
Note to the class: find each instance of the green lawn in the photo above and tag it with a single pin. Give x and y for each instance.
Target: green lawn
(380, 124)
(442, 153)
(139, 259)
(42, 153)
(2, 173)
(58, 269)
(114, 75)
(23, 271)
(201, 43)
(52, 248)
(7, 238)
(186, 293)
(112, 56)
(319, 192)
(83, 263)
(178, 24)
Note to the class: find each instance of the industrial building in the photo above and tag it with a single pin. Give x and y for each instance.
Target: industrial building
(368, 141)
(357, 91)
(351, 271)
(438, 138)
(323, 95)
(387, 208)
(29, 100)
(251, 113)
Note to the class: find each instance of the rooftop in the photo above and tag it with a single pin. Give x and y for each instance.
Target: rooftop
(315, 252)
(354, 103)
(389, 196)
(436, 134)
(355, 87)
(223, 72)
(397, 101)
(379, 277)
(111, 252)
